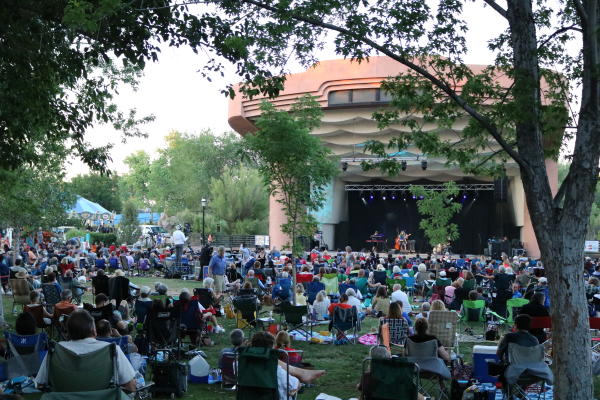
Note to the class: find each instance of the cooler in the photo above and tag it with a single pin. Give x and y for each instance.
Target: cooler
(480, 356)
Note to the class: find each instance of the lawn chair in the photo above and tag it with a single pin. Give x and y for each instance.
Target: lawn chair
(51, 296)
(294, 317)
(432, 369)
(313, 289)
(20, 292)
(227, 364)
(141, 310)
(25, 353)
(205, 297)
(331, 284)
(398, 330)
(514, 307)
(342, 320)
(118, 288)
(247, 309)
(391, 282)
(121, 341)
(161, 329)
(37, 311)
(380, 277)
(188, 318)
(257, 374)
(124, 263)
(389, 379)
(91, 376)
(410, 284)
(595, 327)
(526, 367)
(473, 311)
(444, 326)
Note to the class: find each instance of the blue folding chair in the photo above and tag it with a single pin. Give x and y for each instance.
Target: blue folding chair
(26, 353)
(121, 341)
(410, 284)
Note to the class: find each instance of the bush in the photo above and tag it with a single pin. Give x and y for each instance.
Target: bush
(106, 238)
(75, 233)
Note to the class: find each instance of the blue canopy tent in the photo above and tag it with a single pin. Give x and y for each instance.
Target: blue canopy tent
(88, 210)
(143, 218)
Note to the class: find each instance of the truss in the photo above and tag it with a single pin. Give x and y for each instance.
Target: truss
(435, 187)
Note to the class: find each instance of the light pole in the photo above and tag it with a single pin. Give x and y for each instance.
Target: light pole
(203, 202)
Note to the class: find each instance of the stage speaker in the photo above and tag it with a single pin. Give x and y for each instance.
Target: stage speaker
(501, 189)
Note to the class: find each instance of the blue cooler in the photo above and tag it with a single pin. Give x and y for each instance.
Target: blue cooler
(481, 354)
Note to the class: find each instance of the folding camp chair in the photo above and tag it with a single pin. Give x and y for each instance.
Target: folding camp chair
(410, 284)
(342, 320)
(473, 311)
(595, 327)
(294, 317)
(380, 277)
(121, 341)
(20, 291)
(398, 330)
(432, 370)
(331, 284)
(88, 376)
(205, 297)
(188, 318)
(247, 309)
(527, 368)
(313, 289)
(25, 353)
(389, 379)
(257, 374)
(141, 310)
(105, 312)
(227, 364)
(51, 296)
(444, 326)
(514, 306)
(391, 282)
(161, 329)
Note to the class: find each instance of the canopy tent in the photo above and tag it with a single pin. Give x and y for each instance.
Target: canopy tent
(87, 209)
(143, 218)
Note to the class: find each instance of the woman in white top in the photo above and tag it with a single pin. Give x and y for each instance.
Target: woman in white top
(353, 300)
(321, 304)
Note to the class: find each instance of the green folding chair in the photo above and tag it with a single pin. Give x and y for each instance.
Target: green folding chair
(473, 311)
(257, 374)
(331, 283)
(91, 376)
(390, 379)
(514, 306)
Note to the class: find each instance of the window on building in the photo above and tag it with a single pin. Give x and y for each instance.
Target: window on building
(340, 97)
(358, 96)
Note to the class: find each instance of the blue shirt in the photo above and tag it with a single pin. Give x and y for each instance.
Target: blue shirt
(217, 265)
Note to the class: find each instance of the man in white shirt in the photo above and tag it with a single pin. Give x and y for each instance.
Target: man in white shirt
(399, 295)
(178, 240)
(353, 300)
(82, 332)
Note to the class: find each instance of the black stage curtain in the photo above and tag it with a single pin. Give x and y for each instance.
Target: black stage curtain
(476, 220)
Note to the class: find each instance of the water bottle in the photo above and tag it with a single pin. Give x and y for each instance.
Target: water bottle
(268, 280)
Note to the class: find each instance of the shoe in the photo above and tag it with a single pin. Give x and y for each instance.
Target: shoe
(219, 329)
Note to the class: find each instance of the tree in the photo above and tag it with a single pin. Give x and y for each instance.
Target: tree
(101, 189)
(32, 198)
(437, 209)
(294, 165)
(128, 227)
(240, 200)
(134, 185)
(516, 105)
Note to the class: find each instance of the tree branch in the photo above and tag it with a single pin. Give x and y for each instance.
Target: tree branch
(558, 32)
(485, 122)
(561, 191)
(496, 7)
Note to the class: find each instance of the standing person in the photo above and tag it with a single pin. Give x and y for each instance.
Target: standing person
(244, 252)
(178, 240)
(216, 268)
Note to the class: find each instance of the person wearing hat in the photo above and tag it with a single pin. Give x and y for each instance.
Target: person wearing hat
(24, 275)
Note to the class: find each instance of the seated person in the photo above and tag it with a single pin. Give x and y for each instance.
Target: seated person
(395, 311)
(355, 302)
(283, 342)
(35, 308)
(185, 301)
(236, 338)
(521, 337)
(300, 297)
(421, 336)
(282, 290)
(297, 375)
(343, 303)
(536, 308)
(320, 305)
(25, 324)
(104, 330)
(100, 283)
(64, 307)
(425, 307)
(254, 281)
(82, 331)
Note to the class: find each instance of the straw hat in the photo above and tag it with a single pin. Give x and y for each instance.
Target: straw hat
(21, 275)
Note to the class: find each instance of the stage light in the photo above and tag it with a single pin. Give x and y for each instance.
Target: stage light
(393, 195)
(383, 197)
(414, 197)
(421, 197)
(344, 166)
(423, 165)
(465, 196)
(403, 165)
(371, 196)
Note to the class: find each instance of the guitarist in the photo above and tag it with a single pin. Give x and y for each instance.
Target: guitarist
(402, 241)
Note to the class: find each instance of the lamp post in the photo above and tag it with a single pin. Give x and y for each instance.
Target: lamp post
(203, 202)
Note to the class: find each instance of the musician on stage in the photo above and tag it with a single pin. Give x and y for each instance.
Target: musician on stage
(402, 241)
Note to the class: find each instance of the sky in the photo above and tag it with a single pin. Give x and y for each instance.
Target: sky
(181, 99)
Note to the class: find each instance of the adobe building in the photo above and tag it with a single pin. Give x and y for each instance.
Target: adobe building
(361, 202)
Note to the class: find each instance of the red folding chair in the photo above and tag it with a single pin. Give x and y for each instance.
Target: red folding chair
(595, 328)
(544, 323)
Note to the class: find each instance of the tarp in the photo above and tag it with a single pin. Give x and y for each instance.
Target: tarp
(143, 218)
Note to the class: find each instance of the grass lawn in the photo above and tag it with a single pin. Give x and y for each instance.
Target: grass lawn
(342, 363)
